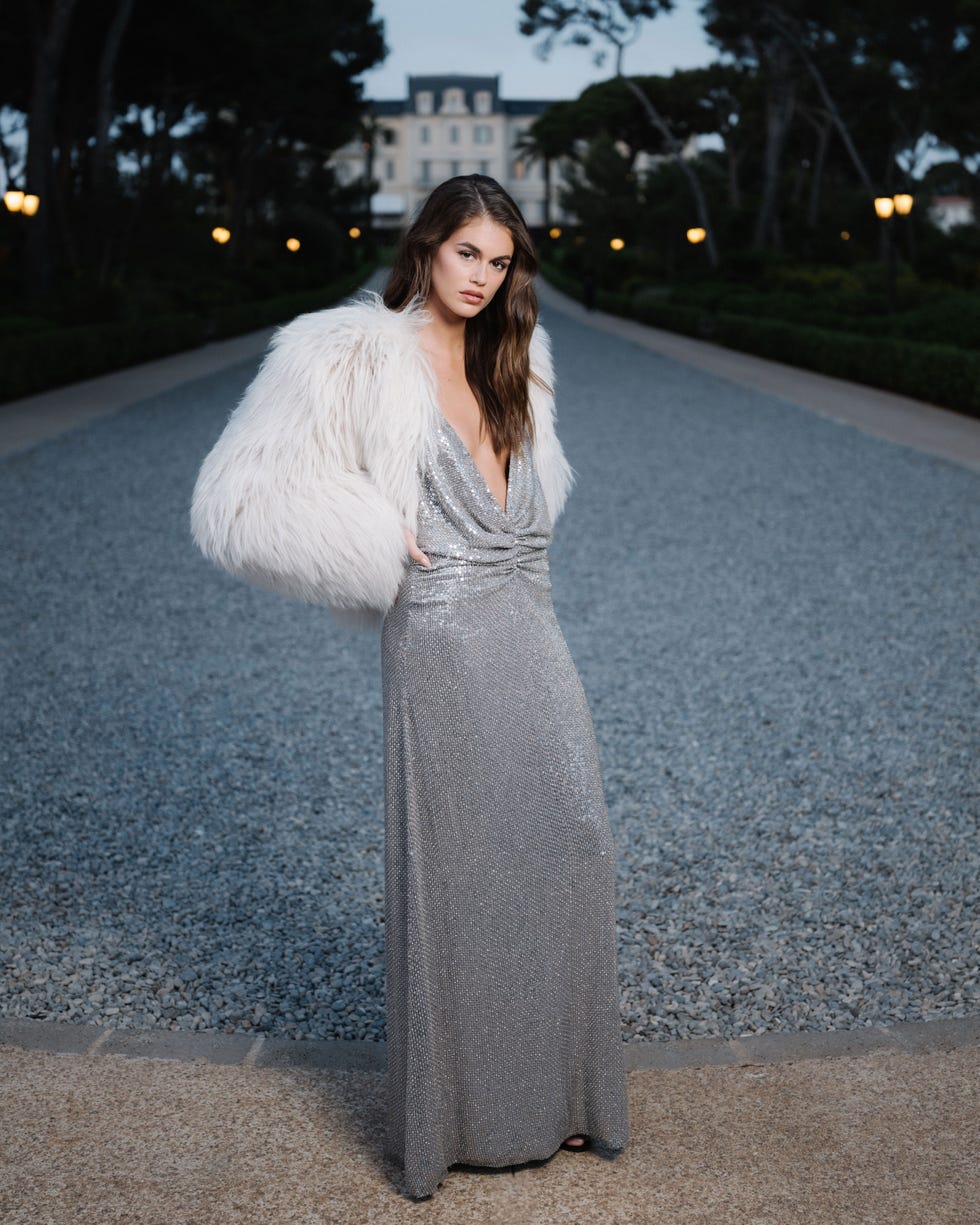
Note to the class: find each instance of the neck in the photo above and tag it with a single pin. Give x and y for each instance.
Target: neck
(446, 333)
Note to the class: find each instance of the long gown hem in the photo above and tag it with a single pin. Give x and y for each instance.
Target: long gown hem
(608, 1149)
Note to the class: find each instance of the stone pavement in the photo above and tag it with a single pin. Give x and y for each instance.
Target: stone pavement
(872, 1127)
(875, 1126)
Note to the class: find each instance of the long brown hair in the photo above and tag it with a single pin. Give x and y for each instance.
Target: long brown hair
(498, 339)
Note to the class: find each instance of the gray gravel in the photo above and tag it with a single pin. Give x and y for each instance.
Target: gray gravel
(775, 620)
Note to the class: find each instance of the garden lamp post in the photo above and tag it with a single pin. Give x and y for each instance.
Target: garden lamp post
(886, 208)
(22, 202)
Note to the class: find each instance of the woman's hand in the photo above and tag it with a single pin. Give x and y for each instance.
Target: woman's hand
(414, 551)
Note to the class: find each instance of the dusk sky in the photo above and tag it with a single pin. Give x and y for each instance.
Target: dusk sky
(480, 37)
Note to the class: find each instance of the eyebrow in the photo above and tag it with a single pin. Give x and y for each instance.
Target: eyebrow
(476, 250)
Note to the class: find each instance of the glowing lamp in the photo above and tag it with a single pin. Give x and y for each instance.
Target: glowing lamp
(354, 231)
(903, 204)
(14, 201)
(696, 234)
(617, 244)
(30, 205)
(292, 244)
(846, 235)
(220, 235)
(884, 206)
(555, 232)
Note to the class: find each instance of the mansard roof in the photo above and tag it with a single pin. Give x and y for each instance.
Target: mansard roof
(470, 85)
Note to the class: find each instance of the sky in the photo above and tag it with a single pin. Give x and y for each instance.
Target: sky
(480, 37)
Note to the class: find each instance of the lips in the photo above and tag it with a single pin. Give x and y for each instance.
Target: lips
(471, 295)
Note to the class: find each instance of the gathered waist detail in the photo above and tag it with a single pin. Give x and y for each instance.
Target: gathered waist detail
(458, 574)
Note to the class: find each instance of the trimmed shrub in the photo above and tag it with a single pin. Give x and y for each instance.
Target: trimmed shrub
(249, 316)
(937, 373)
(35, 359)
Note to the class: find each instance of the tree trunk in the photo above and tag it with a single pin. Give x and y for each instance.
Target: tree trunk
(734, 188)
(816, 182)
(788, 32)
(102, 226)
(780, 99)
(48, 52)
(105, 87)
(65, 187)
(675, 151)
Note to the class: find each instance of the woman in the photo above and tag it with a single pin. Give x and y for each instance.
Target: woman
(396, 460)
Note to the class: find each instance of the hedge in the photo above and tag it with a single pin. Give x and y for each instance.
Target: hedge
(39, 359)
(937, 373)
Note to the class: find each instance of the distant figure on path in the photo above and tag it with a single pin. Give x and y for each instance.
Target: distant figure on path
(396, 460)
(588, 289)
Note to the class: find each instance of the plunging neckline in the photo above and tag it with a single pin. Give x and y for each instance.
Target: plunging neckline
(486, 484)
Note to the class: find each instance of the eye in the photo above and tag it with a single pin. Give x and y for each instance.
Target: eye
(466, 254)
(500, 265)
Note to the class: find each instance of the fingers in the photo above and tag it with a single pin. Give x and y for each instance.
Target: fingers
(414, 551)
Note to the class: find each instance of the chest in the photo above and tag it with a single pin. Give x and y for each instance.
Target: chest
(461, 409)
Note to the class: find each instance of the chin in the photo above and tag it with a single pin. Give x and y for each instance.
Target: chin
(466, 310)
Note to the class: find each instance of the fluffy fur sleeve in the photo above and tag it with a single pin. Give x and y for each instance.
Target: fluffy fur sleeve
(554, 470)
(284, 499)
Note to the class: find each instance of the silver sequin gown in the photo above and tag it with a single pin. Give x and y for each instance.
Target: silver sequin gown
(503, 1024)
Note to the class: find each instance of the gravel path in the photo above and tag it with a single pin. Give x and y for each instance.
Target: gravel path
(775, 620)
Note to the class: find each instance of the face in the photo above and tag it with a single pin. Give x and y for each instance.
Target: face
(469, 268)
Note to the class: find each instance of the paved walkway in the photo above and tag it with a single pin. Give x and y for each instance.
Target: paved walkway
(870, 1126)
(192, 1130)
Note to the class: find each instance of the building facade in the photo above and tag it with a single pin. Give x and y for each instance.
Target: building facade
(448, 125)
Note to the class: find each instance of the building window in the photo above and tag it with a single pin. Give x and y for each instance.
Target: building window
(483, 134)
(520, 169)
(453, 102)
(423, 102)
(484, 166)
(389, 169)
(425, 171)
(454, 133)
(483, 101)
(389, 136)
(453, 169)
(424, 133)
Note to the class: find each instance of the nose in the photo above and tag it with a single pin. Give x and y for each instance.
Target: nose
(479, 273)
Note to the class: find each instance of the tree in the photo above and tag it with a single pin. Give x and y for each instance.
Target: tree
(616, 23)
(139, 85)
(49, 28)
(742, 29)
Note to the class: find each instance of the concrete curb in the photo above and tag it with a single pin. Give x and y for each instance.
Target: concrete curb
(70, 1038)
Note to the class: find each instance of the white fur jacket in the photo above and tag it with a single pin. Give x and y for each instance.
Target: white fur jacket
(308, 488)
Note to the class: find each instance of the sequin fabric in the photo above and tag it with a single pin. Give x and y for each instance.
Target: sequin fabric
(503, 1024)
